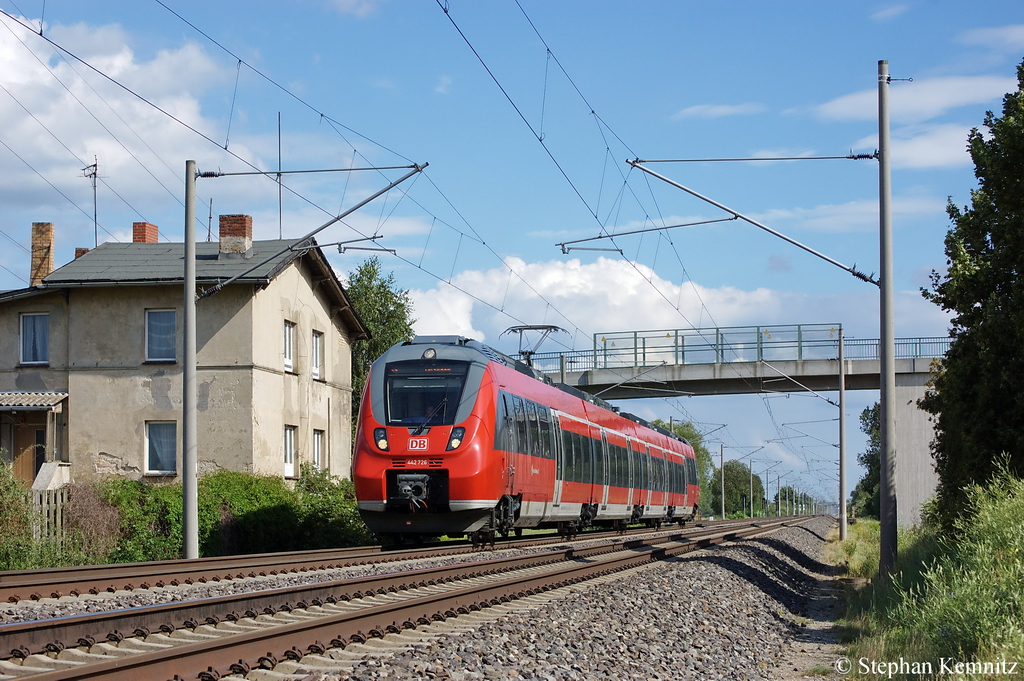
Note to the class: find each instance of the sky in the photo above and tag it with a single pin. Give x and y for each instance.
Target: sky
(526, 113)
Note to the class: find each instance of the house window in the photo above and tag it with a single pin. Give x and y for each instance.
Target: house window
(318, 355)
(289, 346)
(289, 451)
(318, 448)
(35, 338)
(160, 336)
(161, 445)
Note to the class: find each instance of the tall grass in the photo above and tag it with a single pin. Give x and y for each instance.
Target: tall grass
(958, 597)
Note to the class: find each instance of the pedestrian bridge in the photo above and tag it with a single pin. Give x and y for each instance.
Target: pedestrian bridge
(732, 361)
(763, 359)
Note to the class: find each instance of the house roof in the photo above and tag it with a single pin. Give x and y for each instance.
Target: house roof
(30, 400)
(142, 264)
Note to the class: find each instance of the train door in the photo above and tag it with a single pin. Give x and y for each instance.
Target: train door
(644, 484)
(516, 458)
(556, 426)
(598, 450)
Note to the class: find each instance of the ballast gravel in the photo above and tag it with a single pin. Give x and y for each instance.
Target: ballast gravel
(729, 612)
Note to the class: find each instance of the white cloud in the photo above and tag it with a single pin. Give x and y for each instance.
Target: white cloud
(610, 295)
(928, 146)
(718, 110)
(919, 101)
(853, 216)
(1002, 39)
(889, 13)
(444, 85)
(359, 8)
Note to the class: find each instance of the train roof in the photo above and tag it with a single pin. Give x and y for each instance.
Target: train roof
(523, 368)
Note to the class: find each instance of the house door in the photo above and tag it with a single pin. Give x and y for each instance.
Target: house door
(29, 451)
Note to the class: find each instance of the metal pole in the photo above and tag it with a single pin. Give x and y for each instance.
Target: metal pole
(751, 464)
(189, 477)
(721, 470)
(842, 435)
(887, 486)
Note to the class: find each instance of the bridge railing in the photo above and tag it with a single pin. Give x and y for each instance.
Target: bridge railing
(728, 345)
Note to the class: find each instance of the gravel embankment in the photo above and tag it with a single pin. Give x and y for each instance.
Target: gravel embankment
(726, 613)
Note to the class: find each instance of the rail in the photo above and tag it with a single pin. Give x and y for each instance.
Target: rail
(728, 345)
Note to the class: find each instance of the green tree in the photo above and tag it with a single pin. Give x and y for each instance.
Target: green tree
(975, 394)
(737, 490)
(387, 312)
(687, 430)
(865, 494)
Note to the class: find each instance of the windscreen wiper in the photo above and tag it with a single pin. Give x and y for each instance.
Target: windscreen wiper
(431, 415)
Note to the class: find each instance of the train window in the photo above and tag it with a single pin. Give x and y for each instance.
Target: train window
(567, 457)
(523, 440)
(424, 393)
(543, 420)
(597, 455)
(533, 426)
(501, 429)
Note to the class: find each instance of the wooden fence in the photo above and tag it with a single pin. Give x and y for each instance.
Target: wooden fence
(49, 520)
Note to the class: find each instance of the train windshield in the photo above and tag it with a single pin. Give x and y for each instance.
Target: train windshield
(422, 394)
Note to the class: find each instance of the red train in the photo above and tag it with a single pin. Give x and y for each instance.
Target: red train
(456, 438)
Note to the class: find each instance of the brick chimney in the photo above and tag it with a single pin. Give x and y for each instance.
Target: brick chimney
(235, 234)
(80, 251)
(42, 252)
(145, 233)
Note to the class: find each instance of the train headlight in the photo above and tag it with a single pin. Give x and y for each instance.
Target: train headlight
(380, 437)
(458, 434)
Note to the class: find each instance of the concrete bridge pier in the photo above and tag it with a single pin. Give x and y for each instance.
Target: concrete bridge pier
(916, 478)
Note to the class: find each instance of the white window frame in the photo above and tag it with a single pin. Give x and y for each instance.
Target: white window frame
(317, 365)
(319, 439)
(289, 346)
(146, 467)
(174, 343)
(21, 339)
(290, 435)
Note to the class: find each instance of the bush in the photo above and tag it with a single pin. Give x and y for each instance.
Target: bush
(328, 511)
(956, 598)
(245, 513)
(15, 521)
(238, 513)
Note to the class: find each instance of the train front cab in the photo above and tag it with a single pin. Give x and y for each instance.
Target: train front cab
(423, 463)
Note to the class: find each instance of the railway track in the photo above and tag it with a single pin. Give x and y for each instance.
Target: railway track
(37, 585)
(269, 633)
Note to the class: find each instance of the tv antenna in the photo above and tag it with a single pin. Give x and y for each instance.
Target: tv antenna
(92, 172)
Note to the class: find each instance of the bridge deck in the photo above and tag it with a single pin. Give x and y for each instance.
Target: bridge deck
(729, 361)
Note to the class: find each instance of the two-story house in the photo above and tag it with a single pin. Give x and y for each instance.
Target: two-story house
(91, 360)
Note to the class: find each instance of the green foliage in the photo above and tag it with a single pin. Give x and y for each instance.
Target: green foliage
(150, 519)
(15, 521)
(327, 506)
(955, 597)
(705, 467)
(245, 513)
(387, 312)
(866, 493)
(737, 491)
(238, 513)
(975, 395)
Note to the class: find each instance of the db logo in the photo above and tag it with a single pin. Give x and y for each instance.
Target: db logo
(418, 444)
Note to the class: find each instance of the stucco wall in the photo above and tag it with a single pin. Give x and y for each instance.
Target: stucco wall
(115, 391)
(296, 398)
(34, 378)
